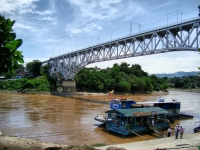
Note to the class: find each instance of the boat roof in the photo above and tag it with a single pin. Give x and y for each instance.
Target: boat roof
(156, 102)
(139, 111)
(116, 99)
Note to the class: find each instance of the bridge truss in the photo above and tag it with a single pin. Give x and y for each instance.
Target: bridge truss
(182, 36)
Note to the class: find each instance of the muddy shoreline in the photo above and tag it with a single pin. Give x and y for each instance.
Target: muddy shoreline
(189, 142)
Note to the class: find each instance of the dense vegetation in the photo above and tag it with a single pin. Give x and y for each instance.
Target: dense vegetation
(36, 77)
(122, 78)
(184, 82)
(39, 84)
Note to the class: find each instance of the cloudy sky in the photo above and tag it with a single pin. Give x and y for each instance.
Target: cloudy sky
(52, 27)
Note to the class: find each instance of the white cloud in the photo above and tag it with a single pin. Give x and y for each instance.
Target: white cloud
(160, 63)
(20, 6)
(24, 7)
(87, 29)
(106, 9)
(24, 27)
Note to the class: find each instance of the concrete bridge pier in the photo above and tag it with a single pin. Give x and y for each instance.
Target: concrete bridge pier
(68, 87)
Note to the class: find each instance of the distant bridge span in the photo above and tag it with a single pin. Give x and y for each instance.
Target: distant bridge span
(181, 36)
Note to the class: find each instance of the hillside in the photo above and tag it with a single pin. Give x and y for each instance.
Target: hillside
(178, 74)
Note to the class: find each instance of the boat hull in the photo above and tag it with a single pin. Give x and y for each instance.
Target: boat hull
(132, 130)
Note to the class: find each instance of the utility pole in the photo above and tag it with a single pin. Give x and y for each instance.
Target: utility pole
(167, 18)
(177, 15)
(139, 25)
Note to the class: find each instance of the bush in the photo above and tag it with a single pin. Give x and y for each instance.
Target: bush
(39, 84)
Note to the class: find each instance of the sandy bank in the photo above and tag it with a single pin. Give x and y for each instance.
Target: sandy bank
(189, 142)
(17, 143)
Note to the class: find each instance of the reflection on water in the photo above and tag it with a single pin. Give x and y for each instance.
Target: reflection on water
(68, 120)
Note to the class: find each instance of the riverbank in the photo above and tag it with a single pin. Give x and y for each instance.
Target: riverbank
(35, 92)
(188, 142)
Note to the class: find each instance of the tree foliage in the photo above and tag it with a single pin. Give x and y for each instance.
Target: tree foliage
(10, 57)
(33, 68)
(184, 82)
(45, 83)
(122, 78)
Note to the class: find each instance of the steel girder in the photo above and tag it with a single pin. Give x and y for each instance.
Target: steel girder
(183, 36)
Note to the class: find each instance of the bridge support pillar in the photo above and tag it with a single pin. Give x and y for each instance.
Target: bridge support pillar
(69, 86)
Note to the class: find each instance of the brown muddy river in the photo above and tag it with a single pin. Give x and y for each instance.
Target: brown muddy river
(67, 120)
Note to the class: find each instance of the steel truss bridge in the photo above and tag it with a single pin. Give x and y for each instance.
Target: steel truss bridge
(181, 36)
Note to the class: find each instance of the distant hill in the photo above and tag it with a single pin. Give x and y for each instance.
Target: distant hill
(178, 74)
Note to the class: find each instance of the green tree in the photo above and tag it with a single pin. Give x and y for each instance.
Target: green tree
(33, 68)
(20, 69)
(45, 70)
(10, 57)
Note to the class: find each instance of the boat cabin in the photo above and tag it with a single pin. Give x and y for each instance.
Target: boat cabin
(173, 107)
(136, 120)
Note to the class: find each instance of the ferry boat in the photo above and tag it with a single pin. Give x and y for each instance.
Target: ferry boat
(124, 118)
(129, 117)
(137, 120)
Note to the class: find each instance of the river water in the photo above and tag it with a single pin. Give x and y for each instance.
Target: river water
(68, 120)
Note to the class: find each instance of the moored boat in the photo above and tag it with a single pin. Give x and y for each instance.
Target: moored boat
(137, 120)
(197, 127)
(129, 117)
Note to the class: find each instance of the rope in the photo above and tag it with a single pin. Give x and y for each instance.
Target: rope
(138, 135)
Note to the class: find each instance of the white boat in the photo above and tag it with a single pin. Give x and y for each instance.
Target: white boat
(101, 118)
(160, 99)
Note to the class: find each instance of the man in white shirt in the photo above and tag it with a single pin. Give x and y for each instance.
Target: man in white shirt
(169, 132)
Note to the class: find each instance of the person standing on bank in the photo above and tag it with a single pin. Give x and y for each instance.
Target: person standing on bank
(181, 129)
(176, 130)
(169, 132)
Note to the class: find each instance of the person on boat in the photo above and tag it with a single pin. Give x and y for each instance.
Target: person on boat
(169, 131)
(152, 122)
(176, 130)
(181, 129)
(122, 122)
